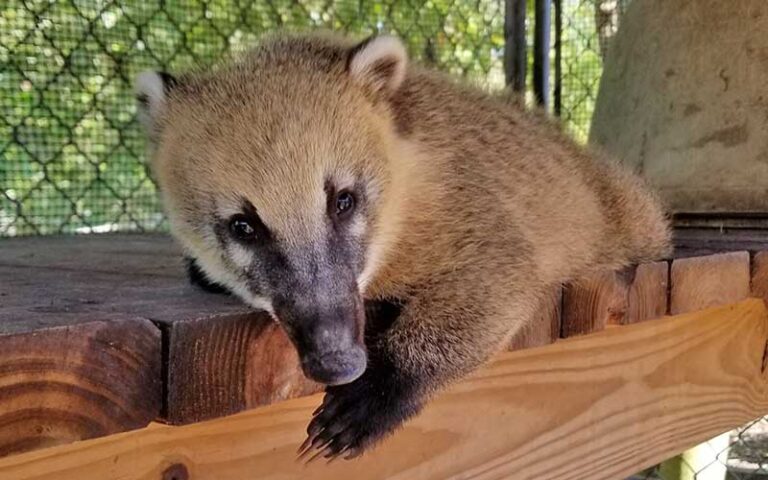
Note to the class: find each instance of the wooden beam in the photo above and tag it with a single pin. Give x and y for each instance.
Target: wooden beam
(615, 298)
(692, 242)
(697, 283)
(221, 357)
(649, 293)
(601, 406)
(79, 381)
(702, 282)
(545, 329)
(220, 365)
(759, 286)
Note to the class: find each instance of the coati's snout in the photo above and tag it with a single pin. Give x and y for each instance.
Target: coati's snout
(328, 334)
(304, 270)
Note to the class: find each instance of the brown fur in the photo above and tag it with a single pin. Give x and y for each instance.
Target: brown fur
(479, 206)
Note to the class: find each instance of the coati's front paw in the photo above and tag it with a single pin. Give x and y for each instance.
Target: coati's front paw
(353, 417)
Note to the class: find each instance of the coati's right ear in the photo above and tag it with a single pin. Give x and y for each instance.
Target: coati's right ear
(151, 90)
(379, 64)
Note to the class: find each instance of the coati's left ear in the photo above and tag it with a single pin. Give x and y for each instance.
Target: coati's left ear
(379, 63)
(151, 90)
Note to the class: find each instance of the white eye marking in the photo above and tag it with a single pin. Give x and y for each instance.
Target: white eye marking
(239, 255)
(374, 258)
(256, 301)
(357, 229)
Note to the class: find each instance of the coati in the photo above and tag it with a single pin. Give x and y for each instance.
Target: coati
(316, 174)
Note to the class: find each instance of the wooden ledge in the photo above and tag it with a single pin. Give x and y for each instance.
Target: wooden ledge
(112, 336)
(601, 406)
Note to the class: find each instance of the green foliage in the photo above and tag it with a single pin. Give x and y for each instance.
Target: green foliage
(71, 153)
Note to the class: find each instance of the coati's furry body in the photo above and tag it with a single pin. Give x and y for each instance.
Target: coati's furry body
(469, 210)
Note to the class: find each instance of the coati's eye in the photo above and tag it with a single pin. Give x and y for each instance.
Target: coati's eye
(241, 228)
(345, 203)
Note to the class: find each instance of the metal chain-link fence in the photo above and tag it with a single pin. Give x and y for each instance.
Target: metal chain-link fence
(738, 455)
(70, 146)
(71, 149)
(588, 26)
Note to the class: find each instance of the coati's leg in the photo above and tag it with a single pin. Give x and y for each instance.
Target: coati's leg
(442, 334)
(198, 278)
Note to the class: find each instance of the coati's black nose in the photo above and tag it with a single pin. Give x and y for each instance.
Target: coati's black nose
(335, 367)
(328, 336)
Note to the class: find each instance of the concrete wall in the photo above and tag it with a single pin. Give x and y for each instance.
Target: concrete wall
(684, 100)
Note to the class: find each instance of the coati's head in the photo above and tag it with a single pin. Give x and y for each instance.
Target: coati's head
(276, 172)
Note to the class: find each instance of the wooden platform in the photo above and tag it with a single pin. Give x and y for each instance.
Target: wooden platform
(601, 406)
(102, 334)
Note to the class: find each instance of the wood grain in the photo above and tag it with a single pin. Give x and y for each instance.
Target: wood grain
(225, 364)
(545, 328)
(759, 286)
(219, 356)
(722, 235)
(600, 406)
(649, 293)
(75, 382)
(697, 283)
(703, 282)
(615, 298)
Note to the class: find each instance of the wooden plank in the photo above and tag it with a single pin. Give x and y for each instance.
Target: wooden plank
(221, 357)
(694, 242)
(545, 329)
(601, 406)
(75, 382)
(592, 302)
(649, 293)
(759, 285)
(615, 298)
(703, 282)
(225, 364)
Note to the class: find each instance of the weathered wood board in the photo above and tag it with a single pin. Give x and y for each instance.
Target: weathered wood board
(200, 356)
(219, 357)
(600, 406)
(69, 370)
(696, 242)
(546, 328)
(615, 298)
(223, 364)
(703, 282)
(85, 380)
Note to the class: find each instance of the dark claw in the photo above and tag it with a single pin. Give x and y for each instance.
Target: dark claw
(353, 453)
(326, 400)
(355, 416)
(335, 457)
(314, 428)
(320, 453)
(315, 444)
(337, 448)
(304, 447)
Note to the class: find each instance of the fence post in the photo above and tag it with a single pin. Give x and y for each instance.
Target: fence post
(558, 90)
(541, 49)
(515, 58)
